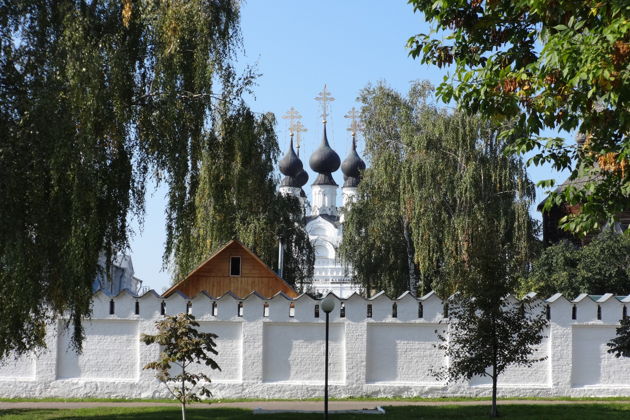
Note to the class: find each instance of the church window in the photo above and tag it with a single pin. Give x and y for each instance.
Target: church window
(420, 310)
(189, 308)
(599, 312)
(235, 266)
(574, 312)
(265, 309)
(291, 309)
(239, 309)
(111, 306)
(395, 310)
(163, 308)
(624, 314)
(137, 308)
(316, 311)
(548, 312)
(215, 309)
(445, 310)
(369, 310)
(342, 310)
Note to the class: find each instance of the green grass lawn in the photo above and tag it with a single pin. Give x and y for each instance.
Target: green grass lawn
(607, 411)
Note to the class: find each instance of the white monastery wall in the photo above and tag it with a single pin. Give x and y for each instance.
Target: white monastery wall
(275, 349)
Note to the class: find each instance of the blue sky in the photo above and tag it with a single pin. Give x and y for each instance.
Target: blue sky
(299, 46)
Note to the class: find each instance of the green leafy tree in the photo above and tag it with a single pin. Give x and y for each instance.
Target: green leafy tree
(484, 340)
(440, 189)
(95, 98)
(184, 346)
(620, 345)
(237, 197)
(548, 65)
(601, 266)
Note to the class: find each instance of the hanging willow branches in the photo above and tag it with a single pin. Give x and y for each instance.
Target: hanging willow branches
(439, 188)
(95, 97)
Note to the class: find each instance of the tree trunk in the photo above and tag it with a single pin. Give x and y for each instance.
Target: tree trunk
(493, 410)
(183, 396)
(183, 411)
(411, 265)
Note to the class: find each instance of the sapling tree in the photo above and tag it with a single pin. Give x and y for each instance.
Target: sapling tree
(182, 345)
(484, 338)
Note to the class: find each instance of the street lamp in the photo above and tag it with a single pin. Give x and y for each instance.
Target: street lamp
(328, 304)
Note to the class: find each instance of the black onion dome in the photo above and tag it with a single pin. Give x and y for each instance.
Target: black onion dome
(290, 164)
(301, 178)
(353, 165)
(290, 181)
(324, 160)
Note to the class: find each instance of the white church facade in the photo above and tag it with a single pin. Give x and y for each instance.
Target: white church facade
(323, 217)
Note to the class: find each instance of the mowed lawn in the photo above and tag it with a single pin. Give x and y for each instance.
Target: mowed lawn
(608, 411)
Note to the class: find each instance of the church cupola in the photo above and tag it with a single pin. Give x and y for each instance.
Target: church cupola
(324, 161)
(291, 167)
(353, 166)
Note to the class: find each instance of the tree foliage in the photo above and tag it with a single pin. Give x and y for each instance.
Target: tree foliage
(549, 65)
(237, 197)
(620, 345)
(182, 345)
(484, 340)
(444, 178)
(601, 266)
(95, 97)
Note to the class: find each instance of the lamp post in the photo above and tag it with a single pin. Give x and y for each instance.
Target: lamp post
(328, 304)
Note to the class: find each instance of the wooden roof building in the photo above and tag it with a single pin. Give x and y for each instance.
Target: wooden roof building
(233, 268)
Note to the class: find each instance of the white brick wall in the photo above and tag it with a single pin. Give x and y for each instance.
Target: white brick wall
(281, 356)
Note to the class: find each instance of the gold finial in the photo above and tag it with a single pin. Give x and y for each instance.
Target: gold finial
(355, 121)
(292, 115)
(299, 129)
(323, 98)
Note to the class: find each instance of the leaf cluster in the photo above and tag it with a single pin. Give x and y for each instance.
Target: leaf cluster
(601, 266)
(620, 345)
(548, 65)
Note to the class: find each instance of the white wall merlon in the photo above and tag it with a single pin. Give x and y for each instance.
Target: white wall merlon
(271, 348)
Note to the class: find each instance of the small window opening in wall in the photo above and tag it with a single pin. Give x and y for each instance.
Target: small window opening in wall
(111, 306)
(574, 312)
(342, 310)
(291, 309)
(599, 312)
(369, 310)
(235, 266)
(316, 311)
(239, 309)
(548, 312)
(445, 310)
(189, 308)
(163, 308)
(395, 310)
(137, 308)
(624, 314)
(420, 310)
(265, 309)
(215, 309)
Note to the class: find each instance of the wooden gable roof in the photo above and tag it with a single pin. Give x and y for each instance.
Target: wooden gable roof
(213, 276)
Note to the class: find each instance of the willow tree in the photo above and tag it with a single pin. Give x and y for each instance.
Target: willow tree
(237, 197)
(95, 96)
(446, 181)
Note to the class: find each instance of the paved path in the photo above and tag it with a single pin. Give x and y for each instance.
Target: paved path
(290, 405)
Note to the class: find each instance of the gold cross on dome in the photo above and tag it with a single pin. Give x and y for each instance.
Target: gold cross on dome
(299, 129)
(292, 115)
(323, 98)
(355, 121)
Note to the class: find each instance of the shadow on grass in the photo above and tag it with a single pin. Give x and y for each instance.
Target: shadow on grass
(477, 412)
